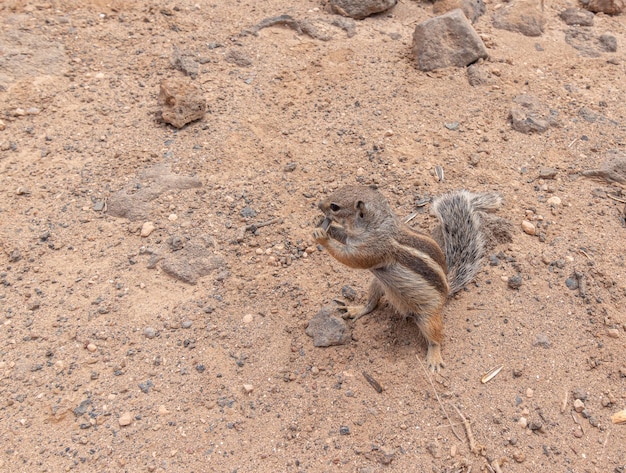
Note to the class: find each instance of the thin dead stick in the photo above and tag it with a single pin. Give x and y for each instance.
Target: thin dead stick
(254, 226)
(264, 224)
(475, 448)
(432, 385)
(497, 464)
(615, 198)
(564, 404)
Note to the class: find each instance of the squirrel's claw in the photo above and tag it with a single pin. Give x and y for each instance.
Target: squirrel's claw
(320, 235)
(433, 358)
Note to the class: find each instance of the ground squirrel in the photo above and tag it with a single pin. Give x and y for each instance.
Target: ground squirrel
(415, 272)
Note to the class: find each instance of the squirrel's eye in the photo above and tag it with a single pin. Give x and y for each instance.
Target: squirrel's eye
(334, 207)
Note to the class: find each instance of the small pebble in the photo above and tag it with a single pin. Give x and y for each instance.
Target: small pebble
(579, 406)
(529, 392)
(163, 411)
(523, 422)
(528, 227)
(125, 419)
(187, 324)
(248, 388)
(613, 333)
(248, 318)
(91, 347)
(344, 430)
(172, 217)
(515, 282)
(554, 201)
(519, 457)
(146, 229)
(149, 332)
(571, 283)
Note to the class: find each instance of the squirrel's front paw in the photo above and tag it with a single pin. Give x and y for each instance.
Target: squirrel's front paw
(320, 235)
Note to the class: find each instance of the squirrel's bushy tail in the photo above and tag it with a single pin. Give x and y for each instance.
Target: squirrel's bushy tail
(461, 234)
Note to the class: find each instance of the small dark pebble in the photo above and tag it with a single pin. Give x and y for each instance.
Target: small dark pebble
(348, 293)
(515, 282)
(571, 283)
(535, 425)
(145, 387)
(494, 260)
(344, 430)
(200, 368)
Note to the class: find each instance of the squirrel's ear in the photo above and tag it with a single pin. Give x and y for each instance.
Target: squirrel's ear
(360, 206)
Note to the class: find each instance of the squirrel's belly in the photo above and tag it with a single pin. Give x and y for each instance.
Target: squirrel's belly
(409, 292)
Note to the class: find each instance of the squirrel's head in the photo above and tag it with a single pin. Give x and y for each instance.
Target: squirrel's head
(356, 208)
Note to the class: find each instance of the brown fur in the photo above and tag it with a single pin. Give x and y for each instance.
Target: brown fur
(409, 267)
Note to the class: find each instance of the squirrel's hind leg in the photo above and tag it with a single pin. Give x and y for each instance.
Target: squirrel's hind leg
(431, 327)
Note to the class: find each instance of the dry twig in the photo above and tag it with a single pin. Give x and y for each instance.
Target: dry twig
(437, 396)
(475, 448)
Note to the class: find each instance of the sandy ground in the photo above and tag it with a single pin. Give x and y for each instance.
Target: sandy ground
(108, 363)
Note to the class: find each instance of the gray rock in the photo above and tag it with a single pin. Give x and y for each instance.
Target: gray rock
(359, 9)
(515, 282)
(479, 74)
(181, 102)
(520, 16)
(589, 44)
(529, 116)
(327, 329)
(610, 7)
(237, 57)
(580, 393)
(576, 16)
(612, 170)
(472, 9)
(608, 43)
(446, 40)
(185, 63)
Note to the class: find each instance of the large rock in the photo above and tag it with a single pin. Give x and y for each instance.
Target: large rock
(359, 9)
(521, 16)
(446, 40)
(181, 102)
(610, 7)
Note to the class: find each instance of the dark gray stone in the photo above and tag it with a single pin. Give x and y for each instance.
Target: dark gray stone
(577, 17)
(446, 40)
(359, 9)
(327, 329)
